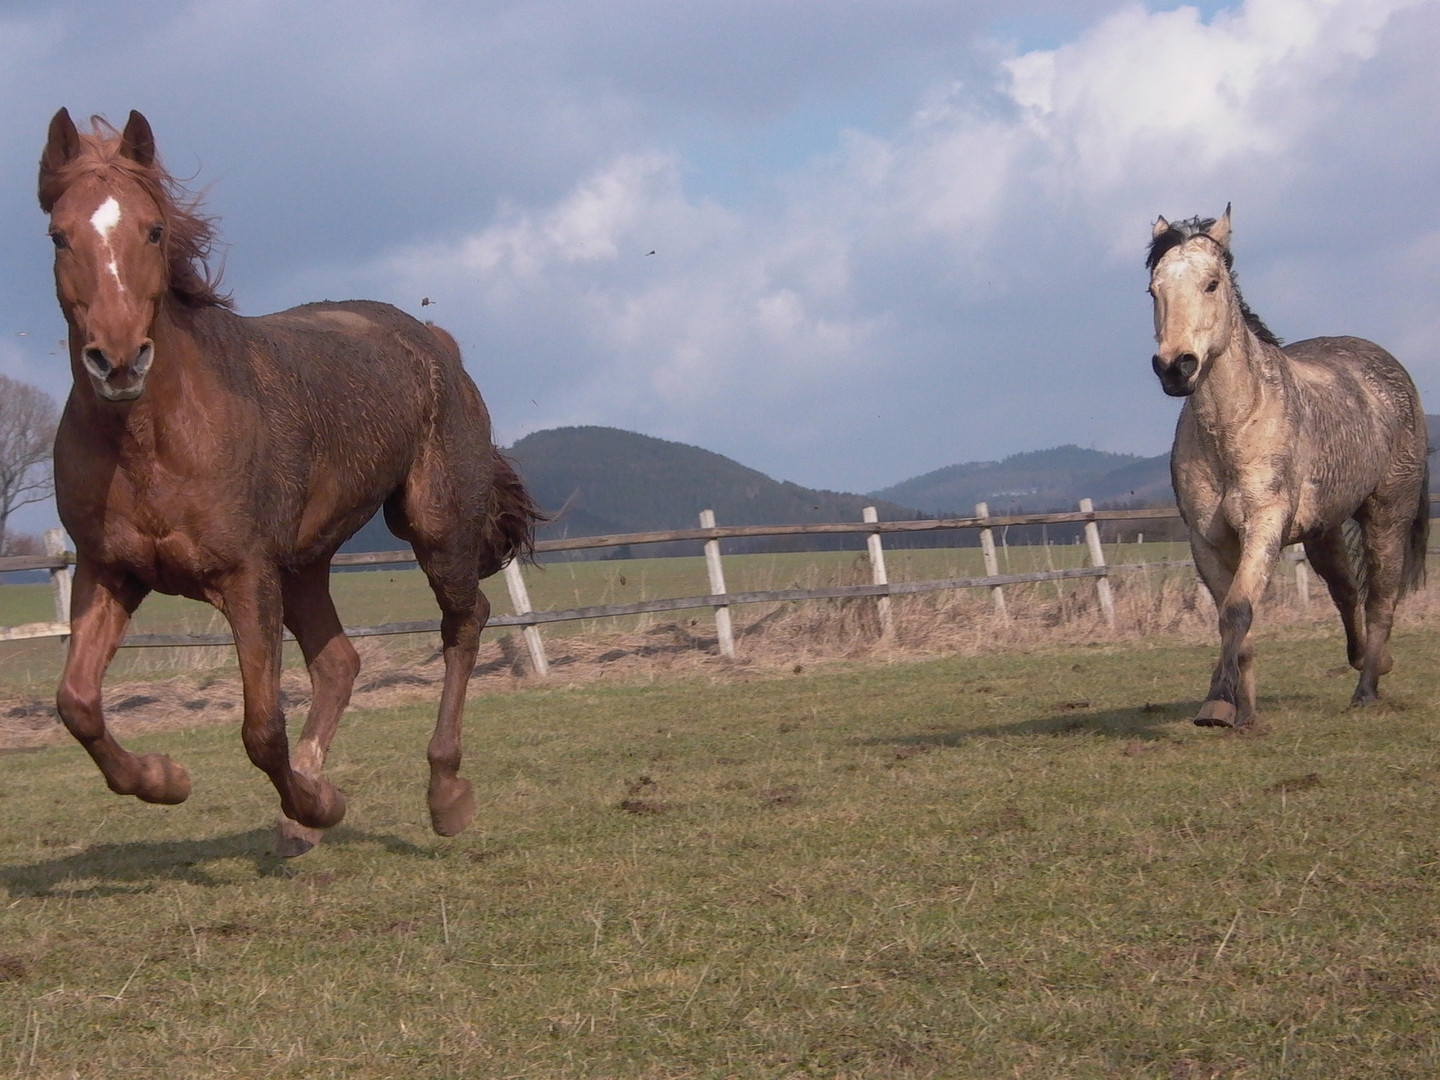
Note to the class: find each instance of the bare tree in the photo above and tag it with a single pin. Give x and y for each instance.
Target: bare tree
(27, 436)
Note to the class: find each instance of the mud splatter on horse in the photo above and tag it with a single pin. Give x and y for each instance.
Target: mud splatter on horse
(226, 459)
(1278, 446)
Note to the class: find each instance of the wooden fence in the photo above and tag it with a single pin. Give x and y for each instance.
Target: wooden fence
(59, 561)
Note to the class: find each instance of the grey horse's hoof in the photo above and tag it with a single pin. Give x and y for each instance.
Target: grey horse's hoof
(1216, 713)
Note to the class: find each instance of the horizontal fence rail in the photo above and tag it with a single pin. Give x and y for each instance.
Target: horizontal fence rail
(59, 561)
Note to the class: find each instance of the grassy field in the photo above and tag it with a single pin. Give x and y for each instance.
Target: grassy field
(1025, 864)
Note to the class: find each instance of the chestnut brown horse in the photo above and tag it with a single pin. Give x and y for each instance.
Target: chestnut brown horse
(1321, 442)
(226, 459)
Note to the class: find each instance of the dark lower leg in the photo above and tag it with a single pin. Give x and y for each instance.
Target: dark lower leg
(1226, 704)
(452, 804)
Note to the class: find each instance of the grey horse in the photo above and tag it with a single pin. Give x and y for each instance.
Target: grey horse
(1278, 446)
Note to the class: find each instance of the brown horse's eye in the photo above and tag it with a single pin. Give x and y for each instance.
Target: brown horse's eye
(58, 239)
(156, 232)
(1214, 284)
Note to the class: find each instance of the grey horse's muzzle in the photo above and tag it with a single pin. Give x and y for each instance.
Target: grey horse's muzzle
(1177, 377)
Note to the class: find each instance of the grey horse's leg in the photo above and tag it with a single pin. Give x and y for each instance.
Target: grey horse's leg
(1385, 537)
(1331, 558)
(1236, 583)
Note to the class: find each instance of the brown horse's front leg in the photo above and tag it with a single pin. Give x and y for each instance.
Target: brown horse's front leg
(252, 605)
(333, 665)
(100, 610)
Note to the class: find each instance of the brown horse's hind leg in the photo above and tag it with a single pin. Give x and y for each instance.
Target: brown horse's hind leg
(252, 604)
(447, 549)
(1330, 556)
(452, 803)
(464, 612)
(333, 665)
(99, 612)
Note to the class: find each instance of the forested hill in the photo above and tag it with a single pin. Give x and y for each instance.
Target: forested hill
(601, 480)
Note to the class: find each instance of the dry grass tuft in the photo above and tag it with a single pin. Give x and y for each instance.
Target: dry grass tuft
(770, 640)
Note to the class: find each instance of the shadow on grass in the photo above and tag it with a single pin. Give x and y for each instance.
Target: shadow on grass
(1149, 722)
(139, 865)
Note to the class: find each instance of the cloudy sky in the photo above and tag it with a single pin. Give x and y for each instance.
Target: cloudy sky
(841, 241)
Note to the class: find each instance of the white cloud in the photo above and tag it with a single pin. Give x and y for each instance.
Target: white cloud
(1143, 84)
(868, 291)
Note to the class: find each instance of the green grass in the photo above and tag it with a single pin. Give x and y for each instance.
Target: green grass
(1021, 865)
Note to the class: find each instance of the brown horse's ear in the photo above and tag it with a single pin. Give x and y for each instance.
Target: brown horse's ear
(61, 147)
(137, 141)
(1220, 231)
(1161, 228)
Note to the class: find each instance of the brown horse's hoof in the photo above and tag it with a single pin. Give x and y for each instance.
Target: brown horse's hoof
(160, 780)
(1216, 713)
(292, 838)
(320, 804)
(452, 806)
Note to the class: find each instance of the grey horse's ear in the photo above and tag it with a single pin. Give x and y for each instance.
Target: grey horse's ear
(1161, 228)
(1220, 231)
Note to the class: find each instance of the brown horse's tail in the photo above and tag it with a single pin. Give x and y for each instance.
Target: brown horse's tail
(1414, 576)
(509, 528)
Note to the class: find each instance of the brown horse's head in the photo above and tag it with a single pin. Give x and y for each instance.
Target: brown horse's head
(1194, 296)
(123, 245)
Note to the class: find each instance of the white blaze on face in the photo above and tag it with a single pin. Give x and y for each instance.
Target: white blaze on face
(104, 221)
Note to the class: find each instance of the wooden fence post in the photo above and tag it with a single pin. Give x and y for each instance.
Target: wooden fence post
(878, 575)
(723, 630)
(992, 564)
(520, 601)
(1097, 558)
(61, 576)
(1302, 576)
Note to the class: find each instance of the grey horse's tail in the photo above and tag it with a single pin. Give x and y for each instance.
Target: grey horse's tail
(1414, 575)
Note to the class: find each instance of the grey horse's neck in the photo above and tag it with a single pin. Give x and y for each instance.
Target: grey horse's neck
(1241, 384)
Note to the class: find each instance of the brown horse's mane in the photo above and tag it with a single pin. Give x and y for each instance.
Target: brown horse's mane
(190, 235)
(1177, 234)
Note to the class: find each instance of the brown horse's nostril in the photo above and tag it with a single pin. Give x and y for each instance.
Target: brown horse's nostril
(95, 359)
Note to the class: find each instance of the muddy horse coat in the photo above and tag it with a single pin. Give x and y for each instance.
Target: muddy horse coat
(226, 459)
(1278, 446)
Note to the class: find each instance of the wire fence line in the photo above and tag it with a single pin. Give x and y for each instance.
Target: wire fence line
(59, 561)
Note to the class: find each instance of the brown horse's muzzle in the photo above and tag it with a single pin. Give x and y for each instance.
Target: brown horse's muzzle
(118, 381)
(1177, 377)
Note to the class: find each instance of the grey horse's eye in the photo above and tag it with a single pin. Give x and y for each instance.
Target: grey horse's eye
(1214, 284)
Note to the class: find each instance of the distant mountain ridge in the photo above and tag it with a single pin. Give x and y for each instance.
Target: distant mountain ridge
(604, 481)
(1036, 481)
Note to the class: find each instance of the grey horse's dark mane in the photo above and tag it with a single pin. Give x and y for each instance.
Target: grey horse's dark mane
(1177, 234)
